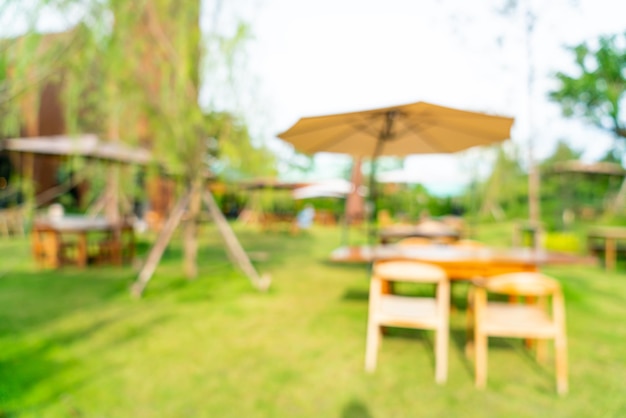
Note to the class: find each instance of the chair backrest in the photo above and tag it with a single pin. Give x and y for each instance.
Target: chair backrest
(531, 319)
(408, 271)
(414, 241)
(523, 284)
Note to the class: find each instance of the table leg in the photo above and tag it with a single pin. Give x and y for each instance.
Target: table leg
(51, 242)
(82, 250)
(609, 255)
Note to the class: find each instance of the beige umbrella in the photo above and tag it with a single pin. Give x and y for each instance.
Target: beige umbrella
(417, 128)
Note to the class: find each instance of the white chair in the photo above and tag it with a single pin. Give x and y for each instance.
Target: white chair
(408, 311)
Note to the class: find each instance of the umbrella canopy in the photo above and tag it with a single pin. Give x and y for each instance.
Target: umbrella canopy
(418, 128)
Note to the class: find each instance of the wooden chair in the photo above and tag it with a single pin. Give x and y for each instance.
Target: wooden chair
(118, 247)
(49, 250)
(533, 319)
(408, 311)
(44, 246)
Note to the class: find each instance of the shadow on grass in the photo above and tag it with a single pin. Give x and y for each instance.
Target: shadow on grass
(33, 376)
(515, 345)
(31, 299)
(544, 371)
(459, 338)
(29, 371)
(363, 269)
(355, 409)
(354, 294)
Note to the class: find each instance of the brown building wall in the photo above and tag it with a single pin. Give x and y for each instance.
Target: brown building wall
(51, 121)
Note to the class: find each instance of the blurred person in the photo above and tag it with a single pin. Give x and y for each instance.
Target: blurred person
(305, 217)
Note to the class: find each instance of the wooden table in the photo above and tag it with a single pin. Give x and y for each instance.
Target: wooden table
(287, 221)
(608, 238)
(51, 234)
(461, 263)
(434, 231)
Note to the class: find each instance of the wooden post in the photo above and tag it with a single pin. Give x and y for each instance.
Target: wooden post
(159, 247)
(234, 249)
(190, 232)
(610, 249)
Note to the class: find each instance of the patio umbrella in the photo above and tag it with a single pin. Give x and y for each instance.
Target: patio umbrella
(417, 128)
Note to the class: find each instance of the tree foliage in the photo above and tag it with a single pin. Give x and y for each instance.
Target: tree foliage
(580, 191)
(131, 71)
(505, 190)
(233, 155)
(596, 90)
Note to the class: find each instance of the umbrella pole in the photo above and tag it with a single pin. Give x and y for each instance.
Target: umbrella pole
(385, 134)
(372, 230)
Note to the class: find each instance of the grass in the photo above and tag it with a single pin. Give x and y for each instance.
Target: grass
(73, 343)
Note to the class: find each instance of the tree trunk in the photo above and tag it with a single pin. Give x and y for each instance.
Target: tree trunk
(533, 193)
(111, 191)
(190, 232)
(534, 209)
(112, 187)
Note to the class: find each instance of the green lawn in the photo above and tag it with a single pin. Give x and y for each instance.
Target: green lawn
(73, 343)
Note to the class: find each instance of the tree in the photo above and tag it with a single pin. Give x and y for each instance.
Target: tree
(596, 91)
(505, 189)
(130, 72)
(558, 196)
(525, 14)
(232, 155)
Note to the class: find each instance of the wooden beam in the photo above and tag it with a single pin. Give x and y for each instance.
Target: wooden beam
(154, 257)
(235, 251)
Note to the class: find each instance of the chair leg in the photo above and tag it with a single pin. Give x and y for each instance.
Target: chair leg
(560, 353)
(480, 351)
(372, 345)
(469, 332)
(441, 354)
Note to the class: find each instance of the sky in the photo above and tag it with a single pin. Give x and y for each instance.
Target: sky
(308, 58)
(328, 56)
